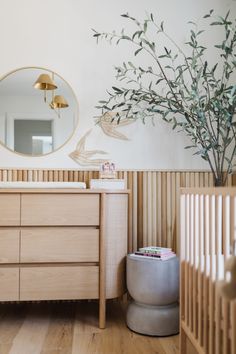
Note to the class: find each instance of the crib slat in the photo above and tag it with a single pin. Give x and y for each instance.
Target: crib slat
(187, 217)
(211, 275)
(191, 264)
(149, 208)
(195, 260)
(164, 208)
(206, 271)
(159, 208)
(225, 326)
(155, 239)
(200, 271)
(168, 210)
(233, 326)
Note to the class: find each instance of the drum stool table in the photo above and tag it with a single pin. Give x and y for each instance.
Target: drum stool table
(154, 286)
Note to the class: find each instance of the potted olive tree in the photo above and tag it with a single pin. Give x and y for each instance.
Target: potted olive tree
(180, 86)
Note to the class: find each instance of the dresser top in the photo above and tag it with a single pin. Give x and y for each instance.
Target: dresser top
(62, 191)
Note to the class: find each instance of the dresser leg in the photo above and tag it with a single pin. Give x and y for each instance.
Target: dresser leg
(102, 313)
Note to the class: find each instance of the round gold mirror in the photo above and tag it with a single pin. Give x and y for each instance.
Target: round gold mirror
(38, 111)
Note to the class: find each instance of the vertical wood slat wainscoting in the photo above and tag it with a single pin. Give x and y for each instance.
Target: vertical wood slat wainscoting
(208, 227)
(153, 201)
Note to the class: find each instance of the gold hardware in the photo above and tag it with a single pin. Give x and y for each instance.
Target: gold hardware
(59, 102)
(46, 83)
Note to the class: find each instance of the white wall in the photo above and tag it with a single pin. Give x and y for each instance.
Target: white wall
(56, 34)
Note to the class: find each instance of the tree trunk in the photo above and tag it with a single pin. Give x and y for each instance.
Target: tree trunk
(219, 181)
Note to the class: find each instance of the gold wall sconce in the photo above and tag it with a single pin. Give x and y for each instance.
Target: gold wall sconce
(59, 102)
(46, 83)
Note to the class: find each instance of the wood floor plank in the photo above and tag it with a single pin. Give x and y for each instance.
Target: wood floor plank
(31, 335)
(72, 328)
(170, 344)
(60, 331)
(11, 320)
(118, 339)
(86, 319)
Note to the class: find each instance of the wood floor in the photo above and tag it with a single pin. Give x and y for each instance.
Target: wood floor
(71, 328)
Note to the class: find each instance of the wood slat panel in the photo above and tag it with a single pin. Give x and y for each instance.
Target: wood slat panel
(154, 198)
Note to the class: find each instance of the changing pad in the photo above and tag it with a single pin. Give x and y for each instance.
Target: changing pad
(81, 185)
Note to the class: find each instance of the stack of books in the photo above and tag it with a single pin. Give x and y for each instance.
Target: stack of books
(160, 253)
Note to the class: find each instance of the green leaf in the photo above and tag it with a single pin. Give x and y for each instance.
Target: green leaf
(204, 68)
(135, 34)
(214, 67)
(199, 32)
(167, 51)
(138, 51)
(217, 23)
(233, 90)
(126, 37)
(149, 44)
(159, 80)
(190, 147)
(208, 15)
(163, 56)
(117, 89)
(203, 100)
(145, 27)
(131, 65)
(227, 15)
(192, 23)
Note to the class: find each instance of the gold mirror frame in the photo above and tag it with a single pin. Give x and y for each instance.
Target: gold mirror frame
(76, 112)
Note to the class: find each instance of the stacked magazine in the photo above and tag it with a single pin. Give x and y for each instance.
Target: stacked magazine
(160, 253)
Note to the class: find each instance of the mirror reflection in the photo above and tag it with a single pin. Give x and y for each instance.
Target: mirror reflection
(38, 111)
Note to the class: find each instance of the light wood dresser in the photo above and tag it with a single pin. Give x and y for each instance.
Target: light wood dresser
(58, 244)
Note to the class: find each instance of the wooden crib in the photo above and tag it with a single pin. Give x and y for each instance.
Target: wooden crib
(207, 229)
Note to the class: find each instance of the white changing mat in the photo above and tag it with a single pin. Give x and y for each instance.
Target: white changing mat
(81, 185)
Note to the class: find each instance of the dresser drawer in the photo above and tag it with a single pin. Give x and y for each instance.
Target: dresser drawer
(9, 283)
(9, 209)
(59, 282)
(60, 209)
(59, 244)
(9, 245)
